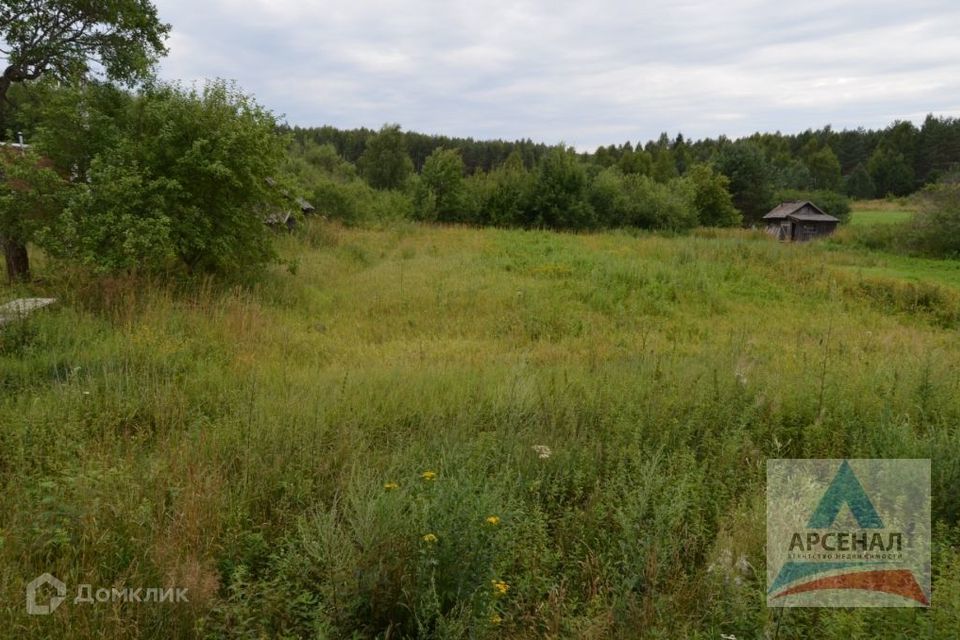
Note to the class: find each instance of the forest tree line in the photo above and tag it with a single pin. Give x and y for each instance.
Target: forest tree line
(661, 184)
(862, 163)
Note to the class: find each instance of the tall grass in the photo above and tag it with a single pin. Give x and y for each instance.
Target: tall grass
(265, 447)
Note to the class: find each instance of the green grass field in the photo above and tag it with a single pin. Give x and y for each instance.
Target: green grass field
(461, 433)
(866, 217)
(871, 212)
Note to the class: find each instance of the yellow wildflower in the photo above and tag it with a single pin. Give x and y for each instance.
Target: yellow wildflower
(390, 486)
(496, 619)
(429, 475)
(500, 587)
(493, 520)
(429, 538)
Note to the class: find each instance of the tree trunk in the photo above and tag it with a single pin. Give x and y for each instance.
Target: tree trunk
(18, 262)
(5, 83)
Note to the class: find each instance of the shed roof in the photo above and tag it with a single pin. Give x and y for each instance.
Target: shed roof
(795, 210)
(812, 217)
(305, 206)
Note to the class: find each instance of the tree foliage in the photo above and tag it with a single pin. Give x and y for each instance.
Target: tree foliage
(188, 183)
(61, 38)
(502, 196)
(890, 172)
(935, 229)
(794, 161)
(712, 199)
(559, 198)
(32, 194)
(385, 163)
(639, 201)
(750, 179)
(824, 169)
(859, 184)
(440, 193)
(334, 187)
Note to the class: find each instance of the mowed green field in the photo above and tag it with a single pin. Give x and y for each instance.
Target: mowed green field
(866, 217)
(891, 265)
(461, 433)
(870, 212)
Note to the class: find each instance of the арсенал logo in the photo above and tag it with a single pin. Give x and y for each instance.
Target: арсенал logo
(848, 533)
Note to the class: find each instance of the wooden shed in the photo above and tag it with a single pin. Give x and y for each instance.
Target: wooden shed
(286, 218)
(799, 222)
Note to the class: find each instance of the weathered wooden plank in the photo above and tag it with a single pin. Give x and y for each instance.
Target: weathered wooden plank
(22, 307)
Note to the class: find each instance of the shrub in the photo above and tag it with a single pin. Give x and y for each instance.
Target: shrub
(355, 202)
(935, 229)
(559, 196)
(878, 237)
(712, 199)
(502, 196)
(120, 220)
(188, 182)
(608, 197)
(653, 205)
(640, 201)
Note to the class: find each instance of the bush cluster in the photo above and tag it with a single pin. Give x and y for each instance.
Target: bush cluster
(560, 191)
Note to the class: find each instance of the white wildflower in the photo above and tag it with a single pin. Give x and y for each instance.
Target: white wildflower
(741, 376)
(543, 451)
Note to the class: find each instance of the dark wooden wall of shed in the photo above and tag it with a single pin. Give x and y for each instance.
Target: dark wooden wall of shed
(803, 231)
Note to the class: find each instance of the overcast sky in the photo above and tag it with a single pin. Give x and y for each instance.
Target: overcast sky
(586, 73)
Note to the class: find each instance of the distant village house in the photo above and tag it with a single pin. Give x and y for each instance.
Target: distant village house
(799, 222)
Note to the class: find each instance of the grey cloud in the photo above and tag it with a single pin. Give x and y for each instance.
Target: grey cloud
(585, 73)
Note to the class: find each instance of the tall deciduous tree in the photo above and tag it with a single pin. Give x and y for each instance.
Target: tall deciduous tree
(559, 198)
(385, 163)
(440, 192)
(61, 38)
(31, 194)
(750, 179)
(711, 198)
(859, 184)
(824, 169)
(891, 172)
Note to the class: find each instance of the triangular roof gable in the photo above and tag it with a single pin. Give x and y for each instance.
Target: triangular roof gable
(785, 209)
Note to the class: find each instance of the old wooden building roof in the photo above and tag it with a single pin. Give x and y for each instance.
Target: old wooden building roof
(800, 210)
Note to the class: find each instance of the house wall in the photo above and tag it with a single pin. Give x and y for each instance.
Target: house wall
(780, 229)
(803, 231)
